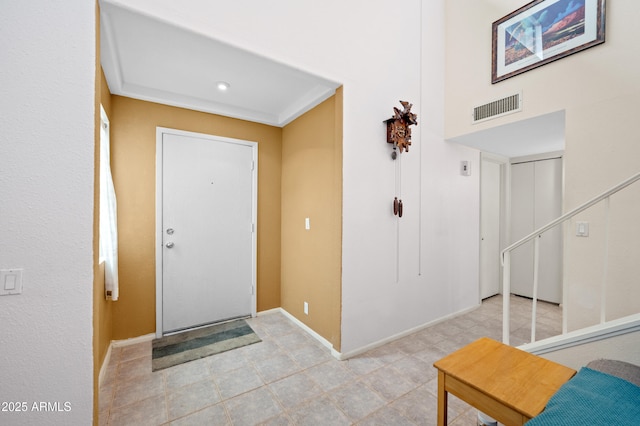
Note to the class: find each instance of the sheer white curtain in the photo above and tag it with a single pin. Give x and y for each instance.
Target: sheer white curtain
(108, 213)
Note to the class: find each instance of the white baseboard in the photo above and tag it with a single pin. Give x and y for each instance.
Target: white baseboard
(344, 356)
(120, 344)
(306, 328)
(134, 340)
(103, 367)
(269, 311)
(405, 333)
(336, 354)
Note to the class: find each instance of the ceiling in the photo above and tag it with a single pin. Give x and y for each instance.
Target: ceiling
(148, 59)
(537, 135)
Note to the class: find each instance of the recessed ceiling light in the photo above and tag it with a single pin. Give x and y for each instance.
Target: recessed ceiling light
(223, 86)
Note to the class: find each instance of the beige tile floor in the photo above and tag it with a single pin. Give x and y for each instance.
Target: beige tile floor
(290, 379)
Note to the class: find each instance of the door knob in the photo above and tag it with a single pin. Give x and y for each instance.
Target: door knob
(169, 244)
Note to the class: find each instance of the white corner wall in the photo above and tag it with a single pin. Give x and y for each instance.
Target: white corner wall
(47, 94)
(397, 275)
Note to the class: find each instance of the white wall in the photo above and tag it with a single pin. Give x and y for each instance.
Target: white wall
(47, 74)
(381, 53)
(598, 89)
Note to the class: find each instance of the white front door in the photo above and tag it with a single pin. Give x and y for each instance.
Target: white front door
(206, 229)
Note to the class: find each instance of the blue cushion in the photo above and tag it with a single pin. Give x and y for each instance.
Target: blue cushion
(592, 398)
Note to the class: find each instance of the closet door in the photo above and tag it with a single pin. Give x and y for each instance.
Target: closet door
(522, 224)
(548, 207)
(536, 199)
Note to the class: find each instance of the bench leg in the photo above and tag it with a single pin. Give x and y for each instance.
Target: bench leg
(442, 400)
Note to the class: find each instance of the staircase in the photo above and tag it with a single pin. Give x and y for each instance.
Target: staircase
(606, 326)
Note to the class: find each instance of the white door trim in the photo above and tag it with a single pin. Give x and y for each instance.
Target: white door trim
(160, 131)
(503, 162)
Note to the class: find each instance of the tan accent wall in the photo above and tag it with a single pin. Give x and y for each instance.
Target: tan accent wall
(102, 308)
(103, 325)
(133, 157)
(105, 94)
(312, 188)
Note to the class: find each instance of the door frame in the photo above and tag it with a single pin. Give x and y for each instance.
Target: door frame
(160, 131)
(504, 181)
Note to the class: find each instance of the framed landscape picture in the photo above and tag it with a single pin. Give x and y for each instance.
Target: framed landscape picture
(544, 31)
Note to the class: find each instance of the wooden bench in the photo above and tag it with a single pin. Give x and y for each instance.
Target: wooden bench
(506, 383)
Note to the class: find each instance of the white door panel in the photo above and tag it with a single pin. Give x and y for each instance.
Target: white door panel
(536, 199)
(548, 207)
(207, 236)
(490, 228)
(522, 224)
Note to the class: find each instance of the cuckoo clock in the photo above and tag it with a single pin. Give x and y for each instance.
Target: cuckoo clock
(398, 130)
(399, 134)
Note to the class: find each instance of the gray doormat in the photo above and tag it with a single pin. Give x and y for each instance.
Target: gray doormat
(202, 342)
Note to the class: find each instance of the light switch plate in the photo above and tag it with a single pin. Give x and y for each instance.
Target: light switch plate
(465, 168)
(582, 229)
(10, 281)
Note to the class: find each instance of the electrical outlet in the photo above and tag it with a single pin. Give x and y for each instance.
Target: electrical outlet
(306, 308)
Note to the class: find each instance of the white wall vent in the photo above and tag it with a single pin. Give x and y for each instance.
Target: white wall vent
(497, 108)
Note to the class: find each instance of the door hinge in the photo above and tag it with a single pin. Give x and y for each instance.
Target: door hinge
(252, 290)
(253, 165)
(253, 228)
